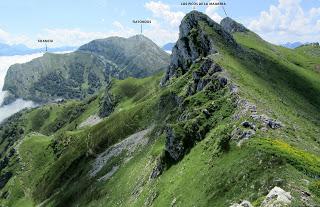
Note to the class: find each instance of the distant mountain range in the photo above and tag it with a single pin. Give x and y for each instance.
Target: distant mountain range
(292, 45)
(20, 49)
(168, 47)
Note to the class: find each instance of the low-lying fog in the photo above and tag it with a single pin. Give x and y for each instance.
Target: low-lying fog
(5, 62)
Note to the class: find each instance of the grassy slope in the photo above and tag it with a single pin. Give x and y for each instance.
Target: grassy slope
(34, 152)
(280, 87)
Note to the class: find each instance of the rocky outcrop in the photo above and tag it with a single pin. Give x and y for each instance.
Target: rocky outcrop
(242, 204)
(208, 75)
(255, 121)
(199, 38)
(4, 178)
(277, 197)
(174, 146)
(107, 104)
(232, 26)
(195, 41)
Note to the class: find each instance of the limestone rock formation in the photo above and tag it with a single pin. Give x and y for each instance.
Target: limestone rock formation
(232, 26)
(195, 41)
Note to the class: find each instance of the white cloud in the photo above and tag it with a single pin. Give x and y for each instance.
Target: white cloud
(63, 37)
(165, 22)
(6, 37)
(69, 36)
(78, 37)
(163, 11)
(118, 25)
(211, 11)
(164, 28)
(161, 35)
(287, 21)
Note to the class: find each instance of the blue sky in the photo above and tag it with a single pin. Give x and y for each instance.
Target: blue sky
(75, 22)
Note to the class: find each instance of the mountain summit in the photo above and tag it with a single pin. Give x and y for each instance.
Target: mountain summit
(199, 36)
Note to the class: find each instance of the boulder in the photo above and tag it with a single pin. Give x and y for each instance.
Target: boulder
(242, 204)
(247, 124)
(277, 197)
(247, 134)
(274, 124)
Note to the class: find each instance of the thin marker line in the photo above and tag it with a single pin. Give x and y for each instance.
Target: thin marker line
(224, 11)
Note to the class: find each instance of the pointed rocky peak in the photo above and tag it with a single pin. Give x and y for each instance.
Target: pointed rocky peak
(232, 26)
(199, 36)
(192, 19)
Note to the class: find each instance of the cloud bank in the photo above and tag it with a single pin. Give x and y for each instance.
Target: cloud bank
(282, 22)
(5, 62)
(287, 21)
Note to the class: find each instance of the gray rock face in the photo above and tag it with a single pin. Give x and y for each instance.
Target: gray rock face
(196, 41)
(242, 204)
(274, 124)
(268, 122)
(207, 76)
(173, 146)
(247, 124)
(107, 104)
(277, 197)
(157, 171)
(232, 26)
